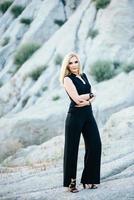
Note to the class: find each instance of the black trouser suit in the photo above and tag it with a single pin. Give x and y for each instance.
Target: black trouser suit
(81, 120)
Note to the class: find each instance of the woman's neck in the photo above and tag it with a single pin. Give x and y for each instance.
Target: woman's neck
(75, 74)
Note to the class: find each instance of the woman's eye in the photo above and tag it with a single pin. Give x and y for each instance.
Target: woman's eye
(70, 63)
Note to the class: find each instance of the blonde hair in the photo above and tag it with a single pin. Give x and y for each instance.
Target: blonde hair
(64, 67)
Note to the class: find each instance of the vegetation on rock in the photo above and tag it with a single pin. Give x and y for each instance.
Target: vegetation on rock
(16, 10)
(5, 5)
(25, 52)
(102, 70)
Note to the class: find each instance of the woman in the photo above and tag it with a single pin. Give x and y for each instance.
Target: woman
(79, 120)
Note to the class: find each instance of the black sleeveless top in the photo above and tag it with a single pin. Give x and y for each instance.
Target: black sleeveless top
(81, 88)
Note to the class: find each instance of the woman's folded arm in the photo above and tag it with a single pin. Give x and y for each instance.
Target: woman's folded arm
(72, 91)
(85, 96)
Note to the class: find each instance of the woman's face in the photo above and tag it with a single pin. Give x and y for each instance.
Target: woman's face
(73, 65)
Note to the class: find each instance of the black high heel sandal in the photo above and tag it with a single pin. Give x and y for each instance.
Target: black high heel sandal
(72, 187)
(93, 186)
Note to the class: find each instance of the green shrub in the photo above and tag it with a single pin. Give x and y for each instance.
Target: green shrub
(101, 3)
(17, 10)
(92, 33)
(58, 59)
(102, 70)
(44, 88)
(128, 67)
(35, 74)
(25, 52)
(26, 21)
(5, 41)
(117, 67)
(5, 5)
(59, 22)
(55, 98)
(14, 69)
(116, 64)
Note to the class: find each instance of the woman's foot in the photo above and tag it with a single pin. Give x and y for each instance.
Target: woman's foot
(90, 186)
(93, 186)
(72, 187)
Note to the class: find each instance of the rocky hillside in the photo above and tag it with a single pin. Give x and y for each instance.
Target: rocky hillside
(44, 179)
(35, 35)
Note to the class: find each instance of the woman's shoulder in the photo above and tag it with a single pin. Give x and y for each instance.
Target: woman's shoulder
(67, 77)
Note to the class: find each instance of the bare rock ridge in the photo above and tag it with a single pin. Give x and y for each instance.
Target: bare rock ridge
(45, 181)
(33, 105)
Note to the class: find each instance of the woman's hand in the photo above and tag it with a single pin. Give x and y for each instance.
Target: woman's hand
(83, 103)
(92, 99)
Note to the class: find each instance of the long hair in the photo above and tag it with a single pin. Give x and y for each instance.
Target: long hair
(64, 67)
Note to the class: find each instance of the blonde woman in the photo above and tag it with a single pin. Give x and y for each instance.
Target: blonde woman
(79, 120)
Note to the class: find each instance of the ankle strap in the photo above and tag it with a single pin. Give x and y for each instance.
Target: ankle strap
(73, 183)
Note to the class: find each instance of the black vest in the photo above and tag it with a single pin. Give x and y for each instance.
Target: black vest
(80, 86)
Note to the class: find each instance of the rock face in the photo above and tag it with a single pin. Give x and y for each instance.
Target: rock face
(113, 95)
(105, 45)
(45, 154)
(40, 123)
(23, 131)
(33, 105)
(113, 24)
(44, 180)
(118, 134)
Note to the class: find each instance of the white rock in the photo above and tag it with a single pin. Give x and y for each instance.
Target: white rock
(116, 168)
(113, 95)
(117, 134)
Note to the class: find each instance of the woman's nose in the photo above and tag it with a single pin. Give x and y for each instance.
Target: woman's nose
(74, 64)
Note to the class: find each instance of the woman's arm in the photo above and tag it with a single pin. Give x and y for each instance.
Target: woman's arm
(85, 103)
(72, 91)
(85, 96)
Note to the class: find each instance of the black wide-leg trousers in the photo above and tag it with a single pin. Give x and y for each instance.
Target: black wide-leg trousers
(82, 121)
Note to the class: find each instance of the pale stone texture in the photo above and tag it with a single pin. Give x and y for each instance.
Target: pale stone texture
(42, 181)
(33, 111)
